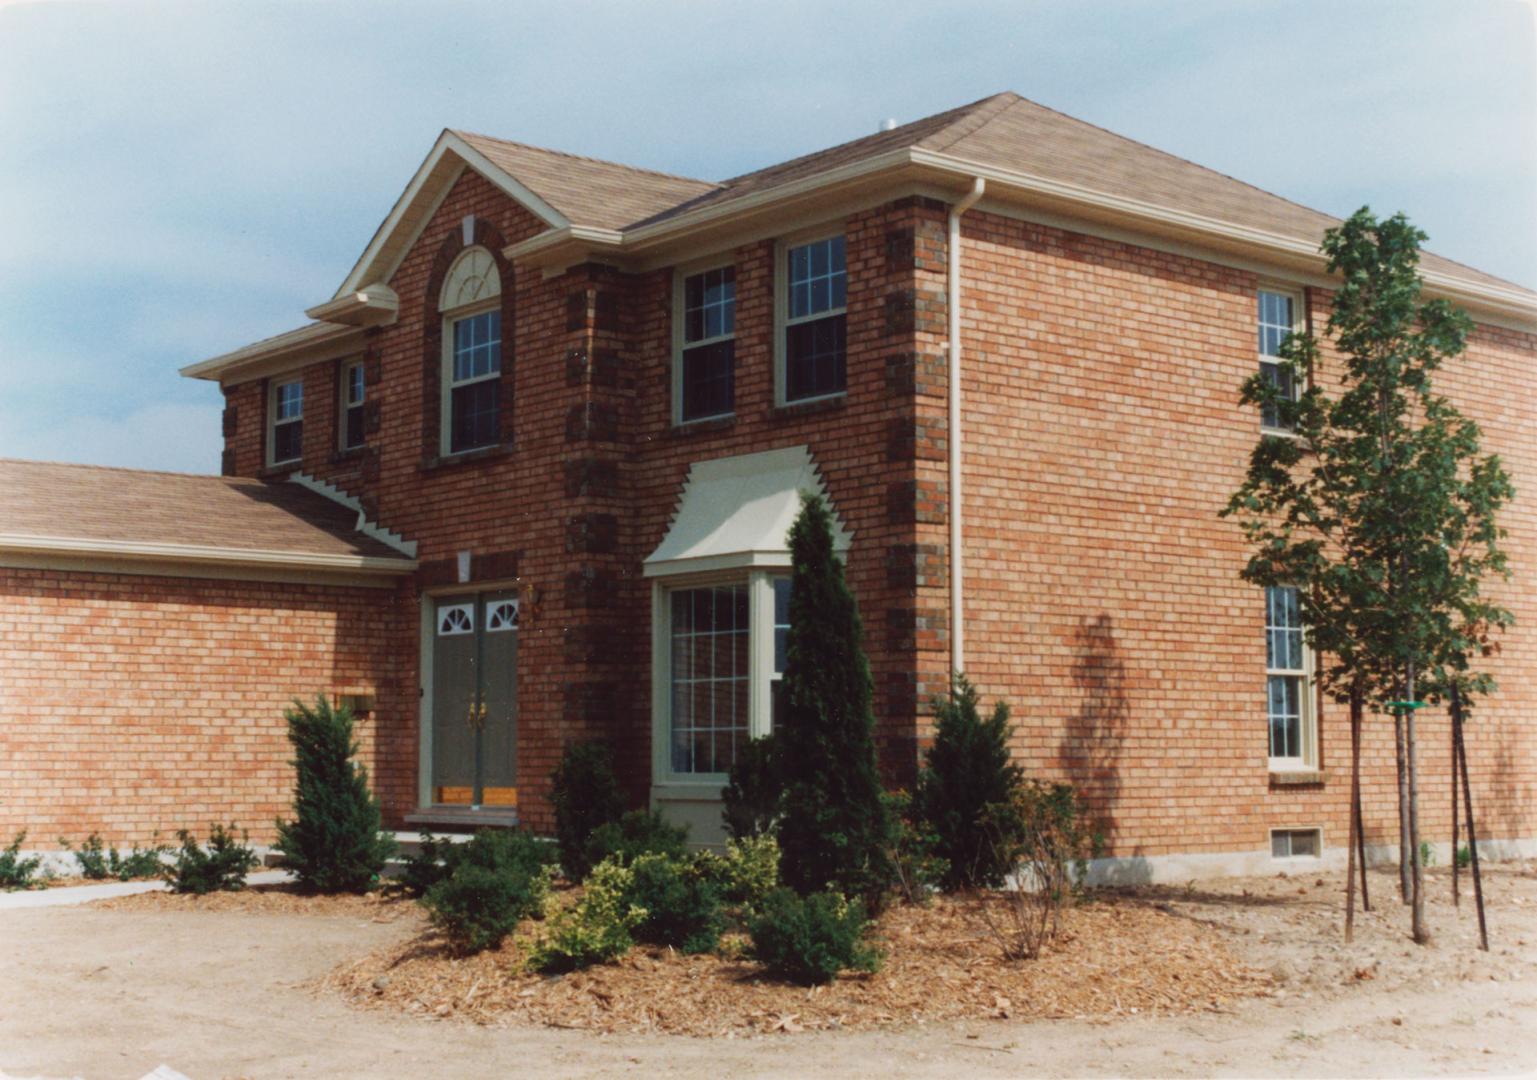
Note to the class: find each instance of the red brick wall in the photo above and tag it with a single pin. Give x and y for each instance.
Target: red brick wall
(133, 705)
(1103, 436)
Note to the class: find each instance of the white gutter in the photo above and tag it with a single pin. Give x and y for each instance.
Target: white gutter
(953, 433)
(203, 554)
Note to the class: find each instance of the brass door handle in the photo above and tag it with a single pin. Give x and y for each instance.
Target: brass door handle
(476, 717)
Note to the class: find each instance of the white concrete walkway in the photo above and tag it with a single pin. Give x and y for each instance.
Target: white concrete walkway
(84, 894)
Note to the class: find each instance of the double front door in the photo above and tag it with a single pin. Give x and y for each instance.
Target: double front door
(474, 700)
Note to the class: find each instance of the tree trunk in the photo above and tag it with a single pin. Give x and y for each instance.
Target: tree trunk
(1421, 932)
(1355, 814)
(1467, 805)
(1366, 897)
(1403, 807)
(1452, 730)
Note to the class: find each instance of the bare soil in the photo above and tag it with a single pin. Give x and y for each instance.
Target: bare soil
(227, 986)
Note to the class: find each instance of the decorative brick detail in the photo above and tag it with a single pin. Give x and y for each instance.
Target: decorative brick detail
(916, 374)
(911, 438)
(373, 369)
(920, 501)
(576, 310)
(913, 566)
(595, 534)
(899, 249)
(899, 309)
(595, 477)
(371, 417)
(593, 421)
(590, 587)
(605, 311)
(576, 366)
(600, 367)
(589, 704)
(227, 462)
(591, 644)
(230, 420)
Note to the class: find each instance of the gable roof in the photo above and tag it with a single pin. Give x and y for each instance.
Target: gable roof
(90, 510)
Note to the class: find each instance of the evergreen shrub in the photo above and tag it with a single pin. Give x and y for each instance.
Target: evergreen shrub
(585, 794)
(221, 866)
(811, 939)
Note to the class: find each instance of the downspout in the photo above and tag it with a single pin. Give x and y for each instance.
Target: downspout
(954, 441)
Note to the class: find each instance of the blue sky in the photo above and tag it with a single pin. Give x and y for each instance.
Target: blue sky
(179, 179)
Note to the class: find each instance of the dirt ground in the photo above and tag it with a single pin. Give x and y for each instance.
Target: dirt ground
(227, 990)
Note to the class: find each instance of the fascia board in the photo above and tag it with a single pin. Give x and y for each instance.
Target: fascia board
(197, 553)
(297, 343)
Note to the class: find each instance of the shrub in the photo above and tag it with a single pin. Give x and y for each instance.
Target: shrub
(595, 929)
(639, 832)
(834, 830)
(682, 905)
(16, 872)
(968, 769)
(485, 887)
(335, 842)
(754, 792)
(1464, 856)
(98, 862)
(223, 865)
(918, 868)
(1046, 834)
(585, 794)
(430, 864)
(750, 870)
(811, 939)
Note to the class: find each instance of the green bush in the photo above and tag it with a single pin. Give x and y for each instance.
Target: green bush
(595, 929)
(98, 862)
(223, 865)
(682, 905)
(585, 794)
(16, 872)
(639, 832)
(915, 862)
(1464, 857)
(968, 769)
(754, 791)
(747, 873)
(811, 939)
(335, 842)
(485, 887)
(430, 864)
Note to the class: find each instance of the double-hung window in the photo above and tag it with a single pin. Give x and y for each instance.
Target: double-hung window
(724, 644)
(286, 408)
(474, 382)
(705, 384)
(813, 338)
(352, 394)
(472, 353)
(1277, 318)
(1288, 693)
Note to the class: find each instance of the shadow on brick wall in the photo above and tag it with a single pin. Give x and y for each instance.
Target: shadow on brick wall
(1095, 737)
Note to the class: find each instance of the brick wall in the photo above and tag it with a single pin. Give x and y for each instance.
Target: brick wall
(1103, 436)
(137, 705)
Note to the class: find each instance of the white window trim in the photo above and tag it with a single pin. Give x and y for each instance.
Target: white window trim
(1288, 859)
(782, 320)
(1307, 723)
(760, 670)
(680, 276)
(344, 398)
(272, 420)
(446, 384)
(1298, 325)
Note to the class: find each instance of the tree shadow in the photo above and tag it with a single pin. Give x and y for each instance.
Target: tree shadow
(1095, 736)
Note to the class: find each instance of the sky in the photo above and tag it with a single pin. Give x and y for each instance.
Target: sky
(179, 179)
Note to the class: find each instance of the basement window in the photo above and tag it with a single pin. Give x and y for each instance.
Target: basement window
(1295, 843)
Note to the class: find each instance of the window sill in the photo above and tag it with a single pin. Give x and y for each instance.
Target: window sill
(685, 428)
(280, 472)
(469, 457)
(345, 457)
(792, 410)
(1297, 777)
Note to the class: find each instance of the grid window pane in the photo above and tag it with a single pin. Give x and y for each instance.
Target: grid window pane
(1275, 321)
(477, 346)
(818, 277)
(1286, 674)
(290, 401)
(287, 440)
(475, 415)
(709, 304)
(710, 690)
(815, 358)
(474, 395)
(709, 380)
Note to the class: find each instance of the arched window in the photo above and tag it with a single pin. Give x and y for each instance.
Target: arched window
(470, 304)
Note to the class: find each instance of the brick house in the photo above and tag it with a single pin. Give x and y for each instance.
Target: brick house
(552, 428)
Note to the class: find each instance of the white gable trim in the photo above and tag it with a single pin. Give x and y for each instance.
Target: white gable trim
(422, 197)
(388, 537)
(735, 513)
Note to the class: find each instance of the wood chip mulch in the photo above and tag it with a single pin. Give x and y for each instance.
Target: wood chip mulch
(270, 900)
(1112, 959)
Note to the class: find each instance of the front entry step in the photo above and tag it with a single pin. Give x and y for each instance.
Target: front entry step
(463, 818)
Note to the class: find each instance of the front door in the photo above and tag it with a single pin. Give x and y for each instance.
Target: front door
(474, 700)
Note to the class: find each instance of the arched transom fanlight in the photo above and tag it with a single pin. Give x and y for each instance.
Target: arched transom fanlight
(501, 615)
(456, 619)
(471, 279)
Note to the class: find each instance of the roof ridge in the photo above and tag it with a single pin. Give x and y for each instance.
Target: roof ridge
(127, 469)
(984, 114)
(958, 112)
(581, 157)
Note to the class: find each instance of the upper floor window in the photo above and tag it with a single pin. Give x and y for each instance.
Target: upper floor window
(1277, 318)
(472, 353)
(285, 440)
(352, 396)
(704, 384)
(814, 323)
(1288, 696)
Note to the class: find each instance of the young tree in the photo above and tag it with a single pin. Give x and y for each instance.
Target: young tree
(335, 842)
(834, 828)
(1381, 510)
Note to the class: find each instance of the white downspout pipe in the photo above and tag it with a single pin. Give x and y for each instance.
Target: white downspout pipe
(954, 440)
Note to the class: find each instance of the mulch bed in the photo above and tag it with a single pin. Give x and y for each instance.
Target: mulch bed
(270, 900)
(1114, 958)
